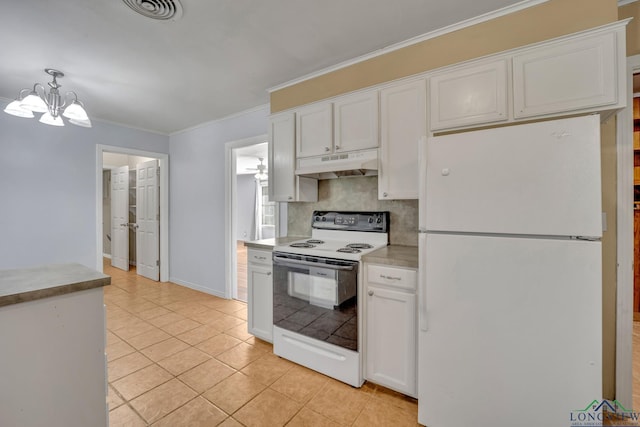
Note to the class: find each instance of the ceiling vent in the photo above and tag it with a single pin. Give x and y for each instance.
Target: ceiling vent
(162, 10)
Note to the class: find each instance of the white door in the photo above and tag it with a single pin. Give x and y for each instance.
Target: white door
(513, 330)
(148, 220)
(120, 218)
(541, 178)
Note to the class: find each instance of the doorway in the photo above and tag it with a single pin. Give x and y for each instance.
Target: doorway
(137, 216)
(249, 215)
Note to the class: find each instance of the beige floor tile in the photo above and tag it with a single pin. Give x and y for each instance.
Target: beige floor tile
(139, 306)
(141, 381)
(257, 342)
(180, 326)
(206, 375)
(112, 338)
(126, 365)
(166, 319)
(242, 314)
(133, 329)
(116, 322)
(268, 368)
(164, 349)
(396, 399)
(197, 413)
(300, 384)
(117, 350)
(148, 338)
(240, 356)
(233, 392)
(162, 400)
(199, 334)
(113, 400)
(218, 344)
(339, 402)
(308, 418)
(124, 416)
(239, 332)
(227, 322)
(269, 408)
(378, 413)
(206, 317)
(184, 360)
(230, 422)
(227, 306)
(153, 313)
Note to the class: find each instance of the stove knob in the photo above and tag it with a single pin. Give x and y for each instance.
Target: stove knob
(324, 218)
(317, 218)
(370, 220)
(379, 220)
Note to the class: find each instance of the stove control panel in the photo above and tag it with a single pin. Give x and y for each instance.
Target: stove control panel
(351, 221)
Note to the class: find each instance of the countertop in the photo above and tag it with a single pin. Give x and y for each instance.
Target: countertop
(270, 243)
(28, 284)
(396, 255)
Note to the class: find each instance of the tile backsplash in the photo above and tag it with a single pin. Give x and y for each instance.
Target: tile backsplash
(356, 194)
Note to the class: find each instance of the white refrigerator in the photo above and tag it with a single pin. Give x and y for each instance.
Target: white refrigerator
(510, 275)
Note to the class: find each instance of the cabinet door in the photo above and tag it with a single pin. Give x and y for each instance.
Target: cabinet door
(403, 124)
(314, 132)
(470, 95)
(282, 157)
(566, 76)
(260, 301)
(356, 122)
(391, 339)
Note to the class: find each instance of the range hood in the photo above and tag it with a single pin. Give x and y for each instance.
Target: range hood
(357, 163)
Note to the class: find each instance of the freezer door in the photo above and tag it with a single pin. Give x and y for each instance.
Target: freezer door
(541, 178)
(513, 331)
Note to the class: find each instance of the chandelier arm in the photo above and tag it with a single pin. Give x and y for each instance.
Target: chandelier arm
(65, 99)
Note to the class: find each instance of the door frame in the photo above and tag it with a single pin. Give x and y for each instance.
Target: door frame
(164, 203)
(231, 201)
(624, 217)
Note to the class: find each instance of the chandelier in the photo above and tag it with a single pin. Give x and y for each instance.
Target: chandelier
(52, 104)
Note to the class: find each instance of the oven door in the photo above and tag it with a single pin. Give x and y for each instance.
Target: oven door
(316, 297)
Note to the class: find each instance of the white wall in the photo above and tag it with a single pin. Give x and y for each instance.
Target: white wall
(48, 189)
(197, 209)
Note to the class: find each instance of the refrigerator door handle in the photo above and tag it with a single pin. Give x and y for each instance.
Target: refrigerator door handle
(422, 288)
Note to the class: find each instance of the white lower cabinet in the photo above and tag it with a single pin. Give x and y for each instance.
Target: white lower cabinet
(390, 337)
(260, 294)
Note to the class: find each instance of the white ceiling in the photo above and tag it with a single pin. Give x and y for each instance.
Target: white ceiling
(248, 158)
(217, 60)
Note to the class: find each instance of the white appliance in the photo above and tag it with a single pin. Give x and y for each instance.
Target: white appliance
(317, 290)
(510, 265)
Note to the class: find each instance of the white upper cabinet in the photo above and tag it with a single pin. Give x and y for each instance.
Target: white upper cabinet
(284, 185)
(314, 130)
(470, 95)
(356, 121)
(566, 76)
(403, 124)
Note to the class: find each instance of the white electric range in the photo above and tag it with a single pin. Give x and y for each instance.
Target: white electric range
(317, 284)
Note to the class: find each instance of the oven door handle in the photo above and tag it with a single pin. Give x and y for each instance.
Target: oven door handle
(288, 261)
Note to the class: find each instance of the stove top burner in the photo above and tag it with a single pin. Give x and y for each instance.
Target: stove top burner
(302, 245)
(315, 241)
(349, 250)
(359, 246)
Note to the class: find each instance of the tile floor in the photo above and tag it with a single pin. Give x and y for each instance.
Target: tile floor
(178, 357)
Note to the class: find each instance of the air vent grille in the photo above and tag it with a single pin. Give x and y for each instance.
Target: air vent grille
(162, 10)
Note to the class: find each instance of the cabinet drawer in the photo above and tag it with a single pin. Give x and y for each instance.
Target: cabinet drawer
(392, 276)
(256, 256)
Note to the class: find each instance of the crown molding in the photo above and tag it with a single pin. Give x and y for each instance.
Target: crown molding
(414, 40)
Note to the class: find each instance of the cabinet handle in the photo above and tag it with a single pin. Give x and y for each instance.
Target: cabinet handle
(327, 149)
(370, 293)
(384, 194)
(269, 274)
(390, 277)
(290, 197)
(260, 257)
(337, 147)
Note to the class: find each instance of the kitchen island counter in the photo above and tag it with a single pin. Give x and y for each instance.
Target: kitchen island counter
(269, 244)
(28, 284)
(396, 255)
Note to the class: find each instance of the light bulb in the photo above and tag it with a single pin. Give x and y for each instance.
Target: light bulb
(48, 119)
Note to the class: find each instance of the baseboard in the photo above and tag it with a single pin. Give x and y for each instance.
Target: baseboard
(197, 287)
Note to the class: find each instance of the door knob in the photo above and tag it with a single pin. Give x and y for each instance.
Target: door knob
(370, 293)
